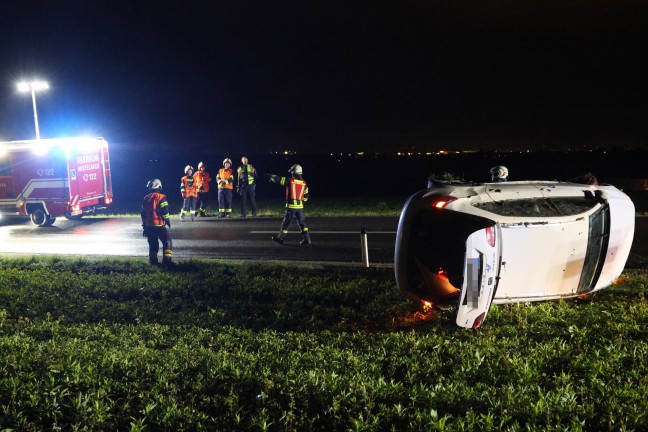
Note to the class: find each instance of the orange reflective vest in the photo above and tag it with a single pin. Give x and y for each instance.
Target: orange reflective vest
(188, 187)
(202, 179)
(155, 209)
(296, 191)
(225, 176)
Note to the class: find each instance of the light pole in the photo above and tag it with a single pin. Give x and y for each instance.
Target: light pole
(33, 86)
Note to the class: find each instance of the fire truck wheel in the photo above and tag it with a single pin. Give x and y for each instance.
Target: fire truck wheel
(39, 218)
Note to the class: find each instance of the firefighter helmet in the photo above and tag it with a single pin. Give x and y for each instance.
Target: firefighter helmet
(154, 184)
(227, 160)
(295, 169)
(499, 173)
(187, 168)
(200, 165)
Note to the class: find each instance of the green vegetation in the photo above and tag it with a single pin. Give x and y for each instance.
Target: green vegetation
(345, 206)
(119, 345)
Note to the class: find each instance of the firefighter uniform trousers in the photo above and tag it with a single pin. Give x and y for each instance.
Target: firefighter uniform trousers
(155, 235)
(248, 192)
(291, 214)
(203, 202)
(225, 201)
(189, 206)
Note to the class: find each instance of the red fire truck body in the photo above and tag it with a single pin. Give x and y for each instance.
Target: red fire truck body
(47, 178)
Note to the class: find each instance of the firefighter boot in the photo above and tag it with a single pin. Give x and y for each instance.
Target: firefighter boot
(182, 216)
(166, 258)
(278, 238)
(306, 240)
(153, 259)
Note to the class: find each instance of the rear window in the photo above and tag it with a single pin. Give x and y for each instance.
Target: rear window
(539, 207)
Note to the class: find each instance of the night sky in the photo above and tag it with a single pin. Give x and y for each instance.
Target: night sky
(329, 76)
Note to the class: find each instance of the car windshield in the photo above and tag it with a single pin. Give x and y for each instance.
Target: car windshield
(437, 251)
(540, 207)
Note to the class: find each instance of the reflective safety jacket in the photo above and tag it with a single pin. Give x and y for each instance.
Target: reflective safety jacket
(202, 179)
(225, 178)
(188, 187)
(246, 175)
(296, 191)
(155, 210)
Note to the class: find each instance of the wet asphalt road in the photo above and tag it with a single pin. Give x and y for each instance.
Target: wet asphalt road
(335, 240)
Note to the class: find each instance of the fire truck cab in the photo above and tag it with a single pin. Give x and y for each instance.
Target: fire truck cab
(48, 178)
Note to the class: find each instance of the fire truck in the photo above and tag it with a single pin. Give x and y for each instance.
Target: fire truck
(47, 178)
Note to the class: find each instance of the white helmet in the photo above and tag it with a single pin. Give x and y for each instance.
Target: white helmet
(200, 165)
(499, 173)
(154, 184)
(295, 169)
(187, 168)
(227, 160)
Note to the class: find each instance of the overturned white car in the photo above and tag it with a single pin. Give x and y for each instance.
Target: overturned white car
(470, 245)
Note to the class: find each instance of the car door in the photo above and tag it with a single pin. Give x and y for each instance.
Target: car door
(481, 271)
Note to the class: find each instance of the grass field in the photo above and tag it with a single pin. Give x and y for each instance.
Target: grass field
(119, 345)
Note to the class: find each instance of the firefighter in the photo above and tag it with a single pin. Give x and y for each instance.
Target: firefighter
(225, 180)
(296, 196)
(202, 179)
(157, 223)
(189, 194)
(499, 174)
(246, 185)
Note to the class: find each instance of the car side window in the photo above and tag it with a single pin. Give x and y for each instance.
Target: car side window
(540, 207)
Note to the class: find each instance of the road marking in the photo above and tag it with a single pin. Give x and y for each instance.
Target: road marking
(327, 232)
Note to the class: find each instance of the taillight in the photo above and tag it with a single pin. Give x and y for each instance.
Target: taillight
(479, 320)
(441, 202)
(75, 208)
(107, 200)
(490, 236)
